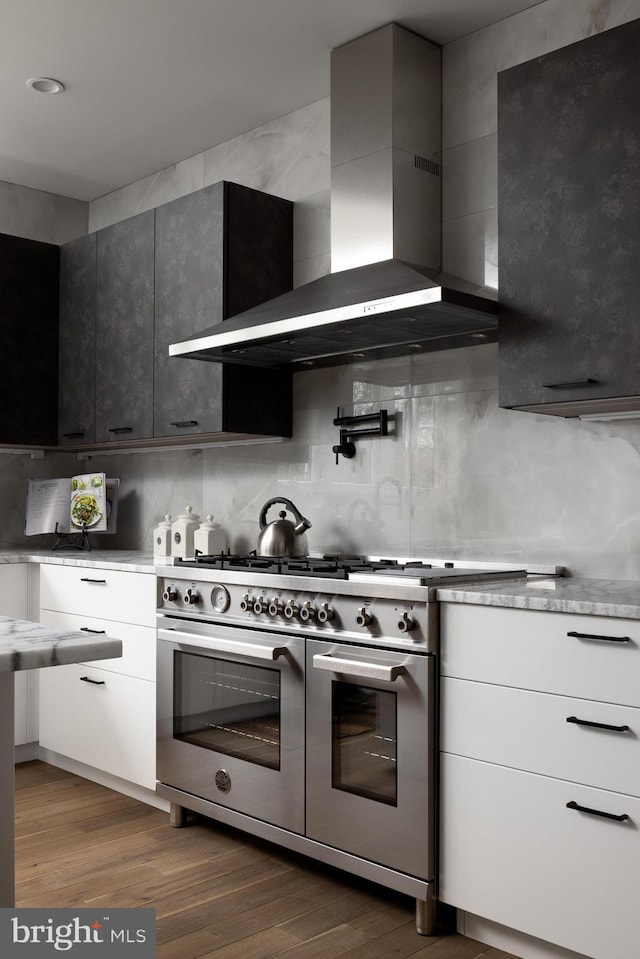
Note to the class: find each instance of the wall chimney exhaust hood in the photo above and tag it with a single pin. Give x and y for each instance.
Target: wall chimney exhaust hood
(385, 295)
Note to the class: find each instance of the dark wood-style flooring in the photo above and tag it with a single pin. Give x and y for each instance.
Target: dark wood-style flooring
(217, 893)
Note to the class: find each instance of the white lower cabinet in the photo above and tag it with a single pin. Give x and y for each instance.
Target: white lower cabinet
(102, 714)
(540, 774)
(100, 718)
(514, 853)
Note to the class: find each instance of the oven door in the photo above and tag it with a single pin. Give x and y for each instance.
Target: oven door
(230, 708)
(370, 754)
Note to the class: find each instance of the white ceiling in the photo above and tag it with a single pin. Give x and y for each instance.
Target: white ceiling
(150, 82)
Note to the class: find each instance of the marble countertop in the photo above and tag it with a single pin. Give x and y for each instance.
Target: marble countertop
(25, 645)
(588, 597)
(134, 560)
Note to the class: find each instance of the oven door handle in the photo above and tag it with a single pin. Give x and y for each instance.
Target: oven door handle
(354, 667)
(217, 645)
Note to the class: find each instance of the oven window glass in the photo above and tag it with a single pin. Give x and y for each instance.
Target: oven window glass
(232, 708)
(364, 734)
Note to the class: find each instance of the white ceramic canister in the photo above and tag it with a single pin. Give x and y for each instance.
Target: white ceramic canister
(182, 530)
(209, 539)
(162, 538)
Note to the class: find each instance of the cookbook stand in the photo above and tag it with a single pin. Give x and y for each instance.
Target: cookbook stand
(72, 540)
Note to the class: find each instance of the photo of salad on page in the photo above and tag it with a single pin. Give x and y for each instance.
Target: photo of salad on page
(88, 502)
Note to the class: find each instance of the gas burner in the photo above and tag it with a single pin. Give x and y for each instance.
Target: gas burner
(327, 566)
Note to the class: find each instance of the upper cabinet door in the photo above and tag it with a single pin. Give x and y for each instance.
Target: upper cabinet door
(219, 251)
(569, 225)
(29, 279)
(124, 330)
(189, 297)
(77, 352)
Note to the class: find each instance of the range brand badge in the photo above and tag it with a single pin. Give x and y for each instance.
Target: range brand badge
(78, 933)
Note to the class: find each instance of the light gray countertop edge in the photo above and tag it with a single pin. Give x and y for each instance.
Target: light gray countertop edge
(587, 597)
(133, 560)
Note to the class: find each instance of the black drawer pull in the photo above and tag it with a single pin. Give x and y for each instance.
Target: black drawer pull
(87, 579)
(74, 436)
(102, 632)
(120, 429)
(94, 682)
(606, 639)
(598, 812)
(588, 722)
(184, 424)
(571, 385)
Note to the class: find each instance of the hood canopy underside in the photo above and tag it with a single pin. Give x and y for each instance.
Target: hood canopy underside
(374, 311)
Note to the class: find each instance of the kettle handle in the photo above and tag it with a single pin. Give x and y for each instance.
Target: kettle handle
(301, 523)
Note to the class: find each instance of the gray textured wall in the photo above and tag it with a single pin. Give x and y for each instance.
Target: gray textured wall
(458, 476)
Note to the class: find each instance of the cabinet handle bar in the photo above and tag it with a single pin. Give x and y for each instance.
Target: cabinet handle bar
(570, 385)
(606, 639)
(598, 812)
(87, 579)
(184, 424)
(589, 722)
(102, 632)
(94, 682)
(120, 429)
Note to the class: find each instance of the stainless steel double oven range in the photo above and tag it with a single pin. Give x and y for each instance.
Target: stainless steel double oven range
(297, 701)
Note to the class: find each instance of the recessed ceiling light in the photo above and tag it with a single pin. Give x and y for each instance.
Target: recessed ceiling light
(45, 85)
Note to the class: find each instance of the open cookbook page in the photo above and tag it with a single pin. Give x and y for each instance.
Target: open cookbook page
(63, 505)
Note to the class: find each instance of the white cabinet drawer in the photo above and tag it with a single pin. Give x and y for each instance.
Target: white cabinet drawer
(529, 731)
(537, 650)
(100, 718)
(102, 593)
(138, 642)
(512, 852)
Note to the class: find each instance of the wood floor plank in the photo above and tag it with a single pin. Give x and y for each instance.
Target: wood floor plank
(218, 893)
(332, 944)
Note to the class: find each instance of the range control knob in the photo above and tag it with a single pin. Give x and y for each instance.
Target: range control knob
(191, 597)
(291, 609)
(364, 617)
(169, 594)
(325, 613)
(260, 605)
(275, 607)
(246, 603)
(406, 623)
(307, 612)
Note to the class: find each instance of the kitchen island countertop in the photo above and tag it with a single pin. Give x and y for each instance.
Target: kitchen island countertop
(26, 645)
(587, 597)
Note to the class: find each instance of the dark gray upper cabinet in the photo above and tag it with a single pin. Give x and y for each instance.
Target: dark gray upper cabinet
(220, 250)
(77, 386)
(124, 330)
(569, 227)
(29, 278)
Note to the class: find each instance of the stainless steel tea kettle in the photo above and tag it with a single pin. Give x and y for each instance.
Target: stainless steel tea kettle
(281, 537)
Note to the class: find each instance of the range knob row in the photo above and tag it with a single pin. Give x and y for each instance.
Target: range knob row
(290, 609)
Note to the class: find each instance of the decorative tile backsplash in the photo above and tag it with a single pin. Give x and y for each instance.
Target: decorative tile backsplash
(457, 476)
